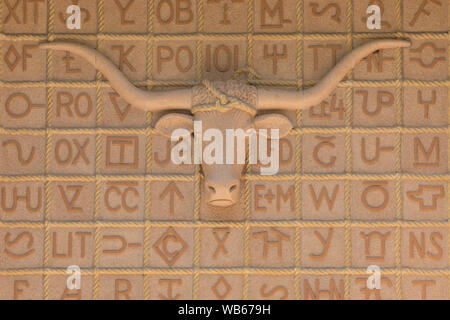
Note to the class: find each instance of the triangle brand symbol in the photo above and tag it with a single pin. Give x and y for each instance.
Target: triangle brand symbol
(121, 113)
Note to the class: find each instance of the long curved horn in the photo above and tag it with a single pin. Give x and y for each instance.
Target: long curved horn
(287, 99)
(151, 101)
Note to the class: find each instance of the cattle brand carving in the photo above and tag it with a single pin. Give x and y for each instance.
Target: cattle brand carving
(234, 103)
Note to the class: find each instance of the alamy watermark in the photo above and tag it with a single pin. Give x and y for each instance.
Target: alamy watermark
(73, 281)
(374, 280)
(374, 20)
(73, 22)
(233, 145)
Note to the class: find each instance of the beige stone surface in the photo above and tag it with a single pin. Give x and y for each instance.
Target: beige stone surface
(363, 180)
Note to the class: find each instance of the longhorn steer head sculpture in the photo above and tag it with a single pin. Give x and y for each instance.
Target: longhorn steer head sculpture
(222, 182)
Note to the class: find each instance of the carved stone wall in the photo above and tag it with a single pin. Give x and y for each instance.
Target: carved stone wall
(363, 179)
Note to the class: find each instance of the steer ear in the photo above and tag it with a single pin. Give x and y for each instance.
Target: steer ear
(273, 121)
(173, 121)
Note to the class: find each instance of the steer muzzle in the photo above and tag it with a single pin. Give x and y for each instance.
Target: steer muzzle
(222, 192)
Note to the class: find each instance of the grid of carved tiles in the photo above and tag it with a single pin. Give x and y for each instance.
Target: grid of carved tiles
(363, 177)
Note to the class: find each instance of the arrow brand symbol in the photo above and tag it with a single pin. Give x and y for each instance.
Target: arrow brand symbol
(171, 190)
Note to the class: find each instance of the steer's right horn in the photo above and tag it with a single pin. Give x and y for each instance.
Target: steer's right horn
(151, 101)
(290, 100)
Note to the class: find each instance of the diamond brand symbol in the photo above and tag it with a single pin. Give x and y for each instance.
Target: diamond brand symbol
(12, 58)
(170, 255)
(221, 286)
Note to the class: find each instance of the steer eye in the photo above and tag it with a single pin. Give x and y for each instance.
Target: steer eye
(233, 187)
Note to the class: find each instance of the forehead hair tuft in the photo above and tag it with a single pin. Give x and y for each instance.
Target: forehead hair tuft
(231, 88)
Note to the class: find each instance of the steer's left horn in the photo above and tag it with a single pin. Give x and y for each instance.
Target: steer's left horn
(287, 99)
(151, 101)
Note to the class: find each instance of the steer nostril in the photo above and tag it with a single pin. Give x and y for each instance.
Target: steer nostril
(212, 189)
(233, 187)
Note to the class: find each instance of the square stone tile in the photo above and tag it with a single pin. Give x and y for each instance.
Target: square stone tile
(22, 248)
(273, 200)
(228, 16)
(161, 158)
(122, 200)
(176, 16)
(174, 60)
(73, 154)
(22, 201)
(125, 16)
(171, 247)
(21, 287)
(323, 200)
(287, 148)
(374, 153)
(276, 59)
(264, 287)
(327, 153)
(24, 108)
(88, 16)
(121, 287)
(58, 288)
(170, 287)
(380, 65)
(222, 247)
(74, 107)
(425, 106)
(122, 247)
(129, 56)
(119, 113)
(320, 56)
(388, 15)
(425, 248)
(373, 246)
(274, 16)
(329, 287)
(71, 246)
(324, 17)
(21, 17)
(223, 58)
(72, 201)
(425, 288)
(425, 153)
(425, 15)
(373, 107)
(426, 60)
(329, 113)
(272, 247)
(172, 200)
(123, 154)
(325, 247)
(221, 287)
(373, 200)
(360, 291)
(69, 66)
(22, 154)
(425, 200)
